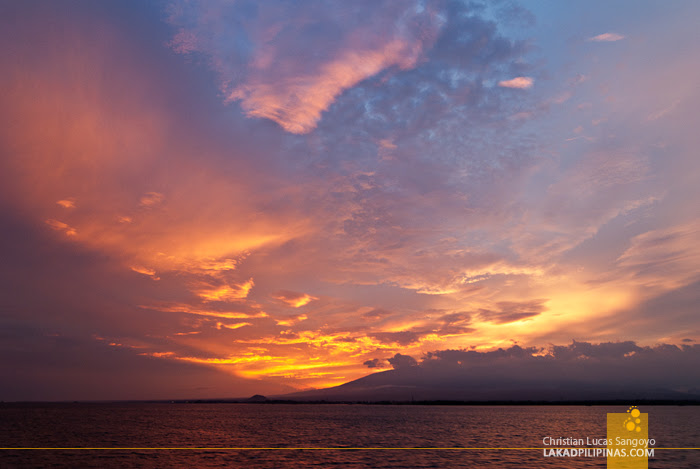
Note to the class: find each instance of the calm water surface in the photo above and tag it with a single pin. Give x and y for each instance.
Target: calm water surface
(143, 425)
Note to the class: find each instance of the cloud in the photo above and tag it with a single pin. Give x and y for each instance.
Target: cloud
(401, 362)
(296, 103)
(522, 83)
(225, 313)
(293, 299)
(664, 112)
(511, 311)
(60, 226)
(596, 188)
(665, 257)
(234, 326)
(151, 199)
(274, 59)
(376, 314)
(402, 338)
(374, 363)
(456, 323)
(145, 271)
(291, 321)
(606, 37)
(591, 363)
(66, 203)
(599, 368)
(63, 367)
(579, 371)
(225, 292)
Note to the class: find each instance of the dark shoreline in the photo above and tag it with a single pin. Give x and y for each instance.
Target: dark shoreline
(621, 402)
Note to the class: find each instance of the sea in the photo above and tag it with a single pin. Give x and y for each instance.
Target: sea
(203, 435)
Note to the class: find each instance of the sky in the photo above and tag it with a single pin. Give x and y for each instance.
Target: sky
(218, 198)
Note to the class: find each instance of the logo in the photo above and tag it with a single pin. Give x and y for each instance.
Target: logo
(628, 440)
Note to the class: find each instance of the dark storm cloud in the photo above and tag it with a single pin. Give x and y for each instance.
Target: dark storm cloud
(618, 364)
(579, 371)
(374, 363)
(401, 362)
(449, 358)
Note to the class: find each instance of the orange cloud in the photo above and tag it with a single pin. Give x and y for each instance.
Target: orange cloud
(310, 358)
(220, 325)
(214, 265)
(226, 292)
(189, 309)
(60, 226)
(66, 203)
(95, 150)
(293, 299)
(292, 321)
(145, 271)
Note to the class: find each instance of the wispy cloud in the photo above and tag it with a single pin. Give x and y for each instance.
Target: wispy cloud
(67, 203)
(606, 37)
(291, 321)
(145, 271)
(666, 257)
(225, 292)
(151, 199)
(522, 83)
(512, 311)
(60, 226)
(664, 112)
(198, 310)
(296, 102)
(293, 299)
(277, 64)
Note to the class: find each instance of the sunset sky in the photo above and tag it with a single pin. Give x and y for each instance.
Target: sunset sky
(213, 199)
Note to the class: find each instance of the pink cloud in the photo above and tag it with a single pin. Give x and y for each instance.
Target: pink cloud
(60, 226)
(517, 82)
(296, 102)
(151, 199)
(607, 37)
(67, 203)
(276, 64)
